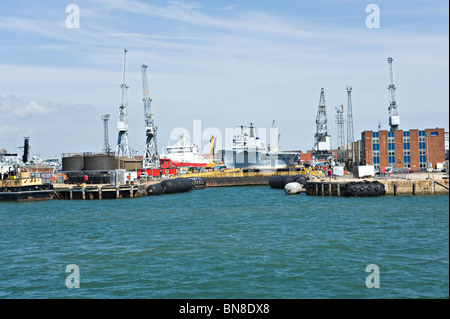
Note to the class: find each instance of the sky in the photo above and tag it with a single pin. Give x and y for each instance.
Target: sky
(220, 64)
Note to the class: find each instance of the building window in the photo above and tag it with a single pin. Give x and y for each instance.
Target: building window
(391, 160)
(391, 140)
(406, 152)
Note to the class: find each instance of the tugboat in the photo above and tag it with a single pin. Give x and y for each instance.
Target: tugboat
(21, 186)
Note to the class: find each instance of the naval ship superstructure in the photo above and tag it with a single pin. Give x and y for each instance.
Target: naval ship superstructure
(249, 151)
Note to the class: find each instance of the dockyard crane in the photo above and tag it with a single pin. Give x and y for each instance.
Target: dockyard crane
(123, 146)
(394, 118)
(322, 138)
(151, 158)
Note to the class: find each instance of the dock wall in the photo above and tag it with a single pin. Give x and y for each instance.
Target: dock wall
(236, 181)
(392, 187)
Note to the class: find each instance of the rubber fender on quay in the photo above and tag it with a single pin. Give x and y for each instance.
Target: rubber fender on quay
(197, 182)
(177, 185)
(155, 189)
(302, 179)
(293, 188)
(280, 181)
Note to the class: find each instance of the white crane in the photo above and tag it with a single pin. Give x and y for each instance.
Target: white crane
(322, 138)
(151, 151)
(394, 118)
(123, 147)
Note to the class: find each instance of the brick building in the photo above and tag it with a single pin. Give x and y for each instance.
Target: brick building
(412, 148)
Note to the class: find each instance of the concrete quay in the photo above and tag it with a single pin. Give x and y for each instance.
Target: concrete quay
(412, 184)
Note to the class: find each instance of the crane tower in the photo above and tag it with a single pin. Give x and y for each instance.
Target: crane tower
(394, 118)
(151, 152)
(123, 147)
(322, 138)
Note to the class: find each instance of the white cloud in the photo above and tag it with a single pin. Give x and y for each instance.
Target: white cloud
(230, 7)
(32, 109)
(8, 129)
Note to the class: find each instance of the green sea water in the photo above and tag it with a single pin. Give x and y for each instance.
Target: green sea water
(237, 242)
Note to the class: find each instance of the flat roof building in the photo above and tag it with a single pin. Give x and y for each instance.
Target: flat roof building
(404, 148)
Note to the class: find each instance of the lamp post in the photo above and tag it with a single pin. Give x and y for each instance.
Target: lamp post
(426, 142)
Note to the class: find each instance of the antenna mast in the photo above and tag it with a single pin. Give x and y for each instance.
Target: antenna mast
(394, 118)
(151, 151)
(350, 132)
(123, 147)
(340, 121)
(106, 145)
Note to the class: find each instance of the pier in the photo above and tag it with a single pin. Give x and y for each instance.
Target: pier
(105, 191)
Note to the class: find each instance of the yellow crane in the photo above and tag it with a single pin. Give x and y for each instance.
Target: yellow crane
(211, 155)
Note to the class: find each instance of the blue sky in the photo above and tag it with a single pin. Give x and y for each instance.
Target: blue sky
(226, 63)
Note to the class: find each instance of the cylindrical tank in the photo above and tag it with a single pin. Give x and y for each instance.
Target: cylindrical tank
(177, 185)
(99, 162)
(280, 181)
(73, 163)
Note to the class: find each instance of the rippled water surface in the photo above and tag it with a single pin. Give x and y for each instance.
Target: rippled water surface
(240, 242)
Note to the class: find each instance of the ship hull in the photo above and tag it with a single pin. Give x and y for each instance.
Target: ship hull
(256, 159)
(27, 193)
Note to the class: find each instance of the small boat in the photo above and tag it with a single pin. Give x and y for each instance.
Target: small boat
(21, 186)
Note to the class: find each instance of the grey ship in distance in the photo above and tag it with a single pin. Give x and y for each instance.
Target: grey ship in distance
(249, 151)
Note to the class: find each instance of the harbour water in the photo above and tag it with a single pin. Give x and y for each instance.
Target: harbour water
(237, 242)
